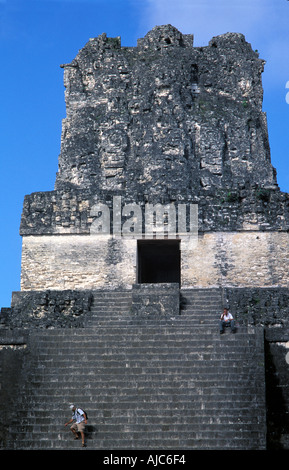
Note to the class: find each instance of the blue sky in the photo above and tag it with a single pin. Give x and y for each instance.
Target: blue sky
(36, 36)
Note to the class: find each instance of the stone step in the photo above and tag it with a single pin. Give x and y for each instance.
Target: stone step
(145, 383)
(197, 306)
(201, 334)
(194, 441)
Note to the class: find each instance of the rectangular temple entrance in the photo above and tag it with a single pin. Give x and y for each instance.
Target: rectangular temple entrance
(158, 261)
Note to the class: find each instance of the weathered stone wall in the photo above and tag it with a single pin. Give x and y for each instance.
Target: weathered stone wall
(277, 388)
(77, 262)
(49, 309)
(266, 306)
(72, 212)
(155, 301)
(237, 259)
(164, 117)
(240, 259)
(13, 351)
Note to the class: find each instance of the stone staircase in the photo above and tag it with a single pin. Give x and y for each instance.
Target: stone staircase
(171, 384)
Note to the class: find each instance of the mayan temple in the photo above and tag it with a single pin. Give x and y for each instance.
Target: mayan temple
(166, 209)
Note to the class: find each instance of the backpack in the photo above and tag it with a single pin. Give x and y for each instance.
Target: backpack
(83, 412)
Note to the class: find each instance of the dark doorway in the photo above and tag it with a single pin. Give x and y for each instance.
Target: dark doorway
(159, 261)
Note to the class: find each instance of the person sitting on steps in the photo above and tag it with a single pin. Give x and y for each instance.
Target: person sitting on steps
(227, 320)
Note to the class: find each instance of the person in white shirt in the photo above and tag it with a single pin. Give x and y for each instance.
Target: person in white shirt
(227, 320)
(80, 418)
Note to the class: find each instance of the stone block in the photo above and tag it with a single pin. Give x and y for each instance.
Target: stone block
(156, 300)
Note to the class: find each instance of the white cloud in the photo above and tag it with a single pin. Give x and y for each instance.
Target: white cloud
(263, 22)
(208, 18)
